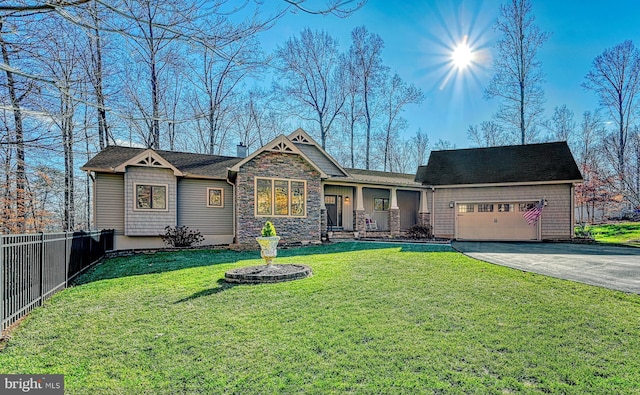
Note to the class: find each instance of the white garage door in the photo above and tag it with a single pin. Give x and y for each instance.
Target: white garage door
(494, 221)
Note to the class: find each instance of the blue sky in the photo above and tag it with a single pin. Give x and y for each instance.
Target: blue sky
(419, 36)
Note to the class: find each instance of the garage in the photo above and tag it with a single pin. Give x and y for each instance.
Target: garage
(494, 221)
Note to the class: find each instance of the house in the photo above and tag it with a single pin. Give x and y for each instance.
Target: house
(482, 193)
(290, 181)
(294, 183)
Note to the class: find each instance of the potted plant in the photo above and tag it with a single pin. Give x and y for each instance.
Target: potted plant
(268, 243)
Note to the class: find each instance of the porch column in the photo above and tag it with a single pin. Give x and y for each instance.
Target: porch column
(323, 214)
(423, 212)
(358, 214)
(394, 214)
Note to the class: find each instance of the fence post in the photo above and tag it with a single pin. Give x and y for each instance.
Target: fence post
(41, 269)
(66, 259)
(2, 285)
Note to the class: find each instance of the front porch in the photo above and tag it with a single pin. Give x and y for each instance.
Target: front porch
(373, 211)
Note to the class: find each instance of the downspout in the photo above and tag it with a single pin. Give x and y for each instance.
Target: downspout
(573, 212)
(233, 187)
(433, 210)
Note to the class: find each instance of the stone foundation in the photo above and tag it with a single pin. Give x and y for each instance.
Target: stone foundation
(424, 218)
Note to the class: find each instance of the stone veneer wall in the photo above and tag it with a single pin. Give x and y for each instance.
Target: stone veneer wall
(283, 166)
(394, 221)
(424, 218)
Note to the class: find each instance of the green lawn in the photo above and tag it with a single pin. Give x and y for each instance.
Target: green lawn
(373, 319)
(620, 233)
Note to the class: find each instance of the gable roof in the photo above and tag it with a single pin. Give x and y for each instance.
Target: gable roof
(383, 177)
(546, 162)
(314, 152)
(279, 144)
(115, 159)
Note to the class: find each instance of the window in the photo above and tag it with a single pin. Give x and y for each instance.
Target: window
(380, 204)
(282, 198)
(522, 207)
(215, 197)
(485, 208)
(151, 197)
(465, 208)
(505, 207)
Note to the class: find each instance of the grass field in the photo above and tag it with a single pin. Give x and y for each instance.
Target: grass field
(373, 319)
(619, 233)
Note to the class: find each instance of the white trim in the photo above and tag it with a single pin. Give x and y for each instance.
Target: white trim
(310, 141)
(279, 144)
(221, 197)
(273, 203)
(508, 184)
(153, 159)
(150, 210)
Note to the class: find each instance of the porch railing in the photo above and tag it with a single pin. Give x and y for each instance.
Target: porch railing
(35, 266)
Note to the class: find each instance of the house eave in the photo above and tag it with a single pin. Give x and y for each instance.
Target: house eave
(505, 184)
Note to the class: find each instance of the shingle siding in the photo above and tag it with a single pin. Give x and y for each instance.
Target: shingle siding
(194, 213)
(109, 202)
(555, 219)
(149, 222)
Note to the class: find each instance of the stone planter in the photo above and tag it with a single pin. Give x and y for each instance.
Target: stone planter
(268, 248)
(356, 235)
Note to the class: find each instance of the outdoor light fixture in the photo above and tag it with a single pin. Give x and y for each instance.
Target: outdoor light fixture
(451, 204)
(346, 199)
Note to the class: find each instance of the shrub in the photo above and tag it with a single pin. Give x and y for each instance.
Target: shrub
(582, 231)
(181, 236)
(419, 232)
(268, 230)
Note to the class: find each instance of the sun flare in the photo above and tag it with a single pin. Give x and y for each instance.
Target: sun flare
(462, 55)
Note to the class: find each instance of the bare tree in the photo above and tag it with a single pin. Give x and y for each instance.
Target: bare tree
(396, 95)
(15, 99)
(518, 78)
(615, 78)
(561, 125)
(310, 65)
(366, 64)
(420, 146)
(443, 145)
(488, 134)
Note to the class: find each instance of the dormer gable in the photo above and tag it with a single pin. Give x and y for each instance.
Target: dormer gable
(301, 137)
(149, 158)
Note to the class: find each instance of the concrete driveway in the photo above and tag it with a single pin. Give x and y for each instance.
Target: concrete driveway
(605, 266)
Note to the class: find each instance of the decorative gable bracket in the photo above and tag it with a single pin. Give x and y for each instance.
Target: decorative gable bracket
(149, 158)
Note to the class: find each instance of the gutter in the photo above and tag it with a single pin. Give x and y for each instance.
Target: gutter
(233, 186)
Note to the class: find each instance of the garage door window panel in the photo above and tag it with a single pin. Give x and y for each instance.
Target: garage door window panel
(485, 208)
(465, 208)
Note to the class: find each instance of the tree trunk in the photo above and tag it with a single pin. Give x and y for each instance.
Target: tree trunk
(19, 140)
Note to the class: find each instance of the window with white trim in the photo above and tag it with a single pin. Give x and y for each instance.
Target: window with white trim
(280, 197)
(151, 197)
(215, 197)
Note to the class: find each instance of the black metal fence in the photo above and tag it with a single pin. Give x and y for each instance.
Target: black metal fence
(35, 266)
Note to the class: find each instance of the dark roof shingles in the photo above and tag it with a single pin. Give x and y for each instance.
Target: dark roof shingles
(494, 165)
(193, 164)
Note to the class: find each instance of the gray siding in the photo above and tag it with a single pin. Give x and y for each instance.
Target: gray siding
(382, 217)
(320, 160)
(347, 208)
(194, 213)
(555, 219)
(409, 203)
(149, 222)
(109, 202)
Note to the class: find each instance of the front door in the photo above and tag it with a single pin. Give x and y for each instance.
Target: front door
(333, 203)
